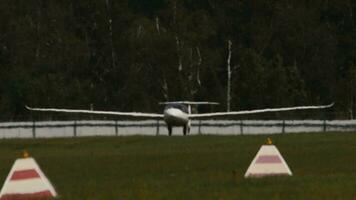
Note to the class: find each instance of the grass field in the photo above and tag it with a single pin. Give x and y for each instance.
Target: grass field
(193, 167)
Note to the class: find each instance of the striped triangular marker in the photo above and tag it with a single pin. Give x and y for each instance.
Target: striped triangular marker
(26, 181)
(268, 162)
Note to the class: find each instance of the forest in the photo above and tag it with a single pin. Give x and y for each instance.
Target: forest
(128, 55)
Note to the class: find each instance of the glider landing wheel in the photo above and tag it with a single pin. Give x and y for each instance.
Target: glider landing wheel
(169, 130)
(185, 129)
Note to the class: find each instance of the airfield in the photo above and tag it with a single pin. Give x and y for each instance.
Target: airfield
(192, 167)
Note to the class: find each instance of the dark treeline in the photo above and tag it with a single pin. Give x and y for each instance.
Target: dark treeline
(128, 55)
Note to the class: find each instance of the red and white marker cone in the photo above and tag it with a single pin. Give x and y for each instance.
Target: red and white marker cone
(26, 181)
(268, 162)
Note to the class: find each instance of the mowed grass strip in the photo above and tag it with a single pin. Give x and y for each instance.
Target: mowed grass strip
(193, 167)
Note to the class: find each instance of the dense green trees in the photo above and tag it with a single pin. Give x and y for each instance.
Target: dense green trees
(129, 54)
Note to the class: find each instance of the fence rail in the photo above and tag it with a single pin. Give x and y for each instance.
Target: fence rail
(42, 129)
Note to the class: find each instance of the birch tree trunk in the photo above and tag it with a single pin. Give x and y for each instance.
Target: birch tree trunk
(38, 31)
(178, 43)
(113, 52)
(165, 89)
(351, 107)
(228, 92)
(351, 104)
(179, 52)
(198, 66)
(157, 25)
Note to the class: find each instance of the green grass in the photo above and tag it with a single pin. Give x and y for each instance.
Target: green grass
(193, 167)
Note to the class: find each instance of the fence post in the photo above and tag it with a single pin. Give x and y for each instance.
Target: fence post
(157, 127)
(34, 129)
(116, 129)
(283, 126)
(241, 127)
(75, 128)
(324, 126)
(199, 128)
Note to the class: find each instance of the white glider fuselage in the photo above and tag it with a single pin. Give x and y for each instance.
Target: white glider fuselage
(175, 117)
(177, 114)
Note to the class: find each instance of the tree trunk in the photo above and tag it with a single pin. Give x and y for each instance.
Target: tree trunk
(228, 92)
(113, 52)
(157, 26)
(198, 66)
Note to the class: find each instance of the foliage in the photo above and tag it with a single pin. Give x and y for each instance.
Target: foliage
(128, 55)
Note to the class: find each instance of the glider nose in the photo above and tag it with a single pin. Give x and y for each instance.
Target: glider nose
(175, 117)
(170, 112)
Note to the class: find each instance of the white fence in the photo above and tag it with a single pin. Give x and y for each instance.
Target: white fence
(47, 129)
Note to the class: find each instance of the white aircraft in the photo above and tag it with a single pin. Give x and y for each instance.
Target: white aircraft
(178, 113)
